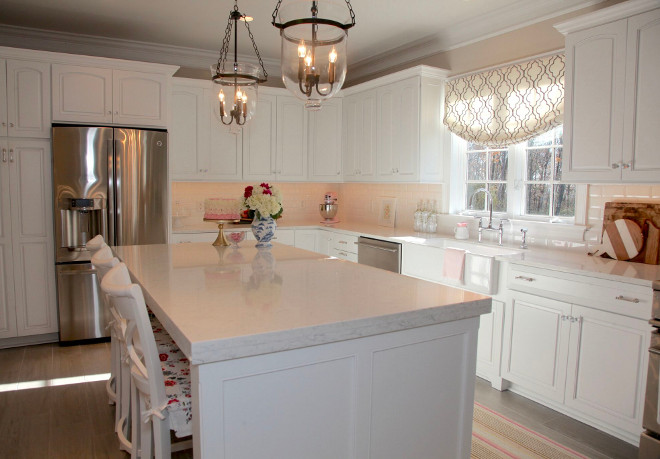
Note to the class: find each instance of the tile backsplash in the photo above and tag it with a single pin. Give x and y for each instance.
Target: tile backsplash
(358, 202)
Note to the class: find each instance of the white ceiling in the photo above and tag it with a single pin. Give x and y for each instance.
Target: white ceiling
(383, 27)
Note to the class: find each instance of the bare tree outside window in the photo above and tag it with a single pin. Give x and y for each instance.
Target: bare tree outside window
(486, 168)
(544, 194)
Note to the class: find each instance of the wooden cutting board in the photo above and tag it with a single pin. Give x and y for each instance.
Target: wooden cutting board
(647, 216)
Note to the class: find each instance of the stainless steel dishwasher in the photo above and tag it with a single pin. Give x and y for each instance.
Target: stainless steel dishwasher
(380, 254)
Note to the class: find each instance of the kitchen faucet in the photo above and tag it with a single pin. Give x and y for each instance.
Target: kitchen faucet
(489, 202)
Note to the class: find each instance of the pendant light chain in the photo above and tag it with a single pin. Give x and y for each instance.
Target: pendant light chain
(348, 3)
(256, 51)
(225, 44)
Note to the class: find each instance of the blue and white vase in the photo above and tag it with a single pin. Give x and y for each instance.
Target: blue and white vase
(263, 229)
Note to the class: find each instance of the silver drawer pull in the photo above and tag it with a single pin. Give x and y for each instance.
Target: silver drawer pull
(344, 254)
(527, 279)
(342, 242)
(630, 300)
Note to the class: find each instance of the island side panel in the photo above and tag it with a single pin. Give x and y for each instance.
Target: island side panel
(402, 394)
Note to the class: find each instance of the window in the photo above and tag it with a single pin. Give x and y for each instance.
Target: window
(486, 168)
(524, 180)
(543, 194)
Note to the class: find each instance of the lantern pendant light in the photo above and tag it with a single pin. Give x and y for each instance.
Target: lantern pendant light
(239, 85)
(314, 47)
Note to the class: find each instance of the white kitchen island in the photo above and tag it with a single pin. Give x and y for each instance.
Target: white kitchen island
(299, 356)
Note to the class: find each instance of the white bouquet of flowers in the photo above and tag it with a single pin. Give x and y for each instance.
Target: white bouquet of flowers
(265, 200)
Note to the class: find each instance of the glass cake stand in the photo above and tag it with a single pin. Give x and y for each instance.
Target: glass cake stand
(221, 240)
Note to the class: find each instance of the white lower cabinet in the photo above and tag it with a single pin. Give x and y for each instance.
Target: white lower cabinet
(607, 361)
(567, 352)
(323, 241)
(306, 239)
(27, 266)
(536, 344)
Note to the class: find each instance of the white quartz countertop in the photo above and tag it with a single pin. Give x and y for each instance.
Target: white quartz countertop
(223, 303)
(572, 258)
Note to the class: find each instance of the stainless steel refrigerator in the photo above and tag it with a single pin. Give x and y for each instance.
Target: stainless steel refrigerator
(109, 181)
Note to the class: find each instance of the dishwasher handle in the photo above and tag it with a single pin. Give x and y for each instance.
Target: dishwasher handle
(376, 247)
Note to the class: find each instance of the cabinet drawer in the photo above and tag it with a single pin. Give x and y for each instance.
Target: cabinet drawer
(617, 297)
(286, 237)
(345, 243)
(344, 255)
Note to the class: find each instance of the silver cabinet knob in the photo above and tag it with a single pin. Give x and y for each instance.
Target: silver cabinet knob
(4, 155)
(4, 124)
(116, 112)
(627, 165)
(11, 155)
(109, 112)
(11, 124)
(615, 165)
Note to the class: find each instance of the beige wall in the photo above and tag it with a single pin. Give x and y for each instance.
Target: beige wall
(518, 44)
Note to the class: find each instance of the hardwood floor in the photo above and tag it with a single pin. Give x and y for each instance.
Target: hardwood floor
(58, 419)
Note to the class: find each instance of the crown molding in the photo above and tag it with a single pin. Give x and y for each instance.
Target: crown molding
(424, 71)
(89, 45)
(613, 13)
(514, 17)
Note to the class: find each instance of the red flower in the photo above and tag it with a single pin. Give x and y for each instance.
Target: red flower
(248, 192)
(163, 357)
(268, 192)
(265, 185)
(173, 400)
(170, 383)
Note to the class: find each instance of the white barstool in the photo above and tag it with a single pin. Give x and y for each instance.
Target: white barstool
(160, 393)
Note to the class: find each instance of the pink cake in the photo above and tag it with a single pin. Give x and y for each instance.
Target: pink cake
(222, 209)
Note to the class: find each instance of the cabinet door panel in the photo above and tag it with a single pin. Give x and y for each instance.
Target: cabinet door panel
(82, 94)
(536, 344)
(259, 141)
(4, 122)
(7, 304)
(406, 139)
(139, 99)
(31, 190)
(291, 139)
(642, 136)
(186, 133)
(325, 142)
(35, 311)
(28, 99)
(387, 117)
(593, 123)
(488, 344)
(607, 362)
(226, 152)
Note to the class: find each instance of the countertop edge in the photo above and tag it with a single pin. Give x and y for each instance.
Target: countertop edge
(249, 346)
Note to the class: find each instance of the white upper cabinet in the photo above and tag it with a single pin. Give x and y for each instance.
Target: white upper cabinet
(641, 136)
(201, 147)
(259, 141)
(291, 161)
(411, 139)
(25, 99)
(102, 95)
(359, 136)
(611, 99)
(325, 142)
(275, 140)
(398, 131)
(82, 94)
(187, 132)
(139, 99)
(225, 159)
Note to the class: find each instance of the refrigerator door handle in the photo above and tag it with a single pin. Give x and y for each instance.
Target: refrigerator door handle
(111, 192)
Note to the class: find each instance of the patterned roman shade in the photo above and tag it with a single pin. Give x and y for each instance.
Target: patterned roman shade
(507, 105)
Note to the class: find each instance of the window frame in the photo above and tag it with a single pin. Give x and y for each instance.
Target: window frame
(515, 188)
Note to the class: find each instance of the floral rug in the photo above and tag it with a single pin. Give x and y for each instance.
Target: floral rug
(495, 437)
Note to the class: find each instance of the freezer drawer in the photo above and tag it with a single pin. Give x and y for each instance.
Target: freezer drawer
(81, 312)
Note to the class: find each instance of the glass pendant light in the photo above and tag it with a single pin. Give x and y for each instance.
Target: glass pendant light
(237, 97)
(314, 47)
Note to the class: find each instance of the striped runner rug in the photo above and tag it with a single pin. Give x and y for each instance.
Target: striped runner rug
(496, 437)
